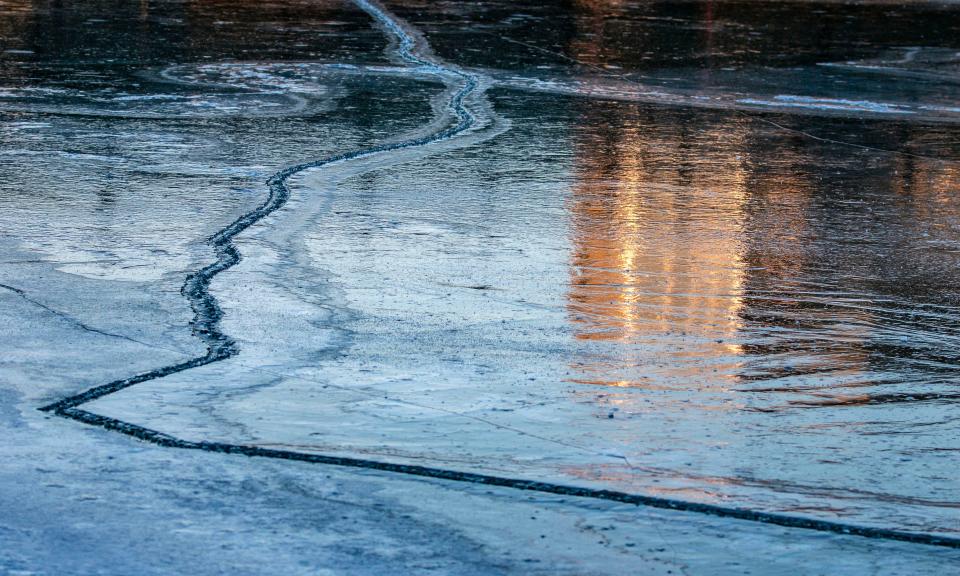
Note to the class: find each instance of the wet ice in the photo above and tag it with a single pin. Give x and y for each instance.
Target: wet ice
(710, 272)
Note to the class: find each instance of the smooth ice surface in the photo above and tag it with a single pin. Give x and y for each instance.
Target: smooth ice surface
(706, 251)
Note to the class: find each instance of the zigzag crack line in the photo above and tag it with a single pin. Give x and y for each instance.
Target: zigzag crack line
(162, 439)
(196, 287)
(206, 327)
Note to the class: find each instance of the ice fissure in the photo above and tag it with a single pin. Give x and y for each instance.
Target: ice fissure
(410, 48)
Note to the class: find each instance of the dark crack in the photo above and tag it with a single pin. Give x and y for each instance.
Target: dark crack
(220, 346)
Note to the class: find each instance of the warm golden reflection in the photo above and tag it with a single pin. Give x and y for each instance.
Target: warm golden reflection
(706, 254)
(711, 250)
(929, 189)
(657, 218)
(17, 18)
(591, 16)
(657, 222)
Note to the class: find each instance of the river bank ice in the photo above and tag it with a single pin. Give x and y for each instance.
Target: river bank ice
(660, 292)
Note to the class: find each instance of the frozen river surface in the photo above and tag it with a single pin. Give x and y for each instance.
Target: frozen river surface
(704, 252)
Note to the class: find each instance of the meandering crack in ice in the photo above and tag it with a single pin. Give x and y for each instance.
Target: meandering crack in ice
(196, 288)
(220, 346)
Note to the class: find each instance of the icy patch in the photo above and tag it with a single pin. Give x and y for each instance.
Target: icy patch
(210, 91)
(149, 97)
(929, 63)
(947, 109)
(764, 89)
(304, 78)
(250, 93)
(841, 104)
(16, 126)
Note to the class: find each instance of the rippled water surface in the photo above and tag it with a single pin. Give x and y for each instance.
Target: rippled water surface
(707, 250)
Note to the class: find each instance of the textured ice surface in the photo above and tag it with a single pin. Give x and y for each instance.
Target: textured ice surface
(553, 316)
(694, 251)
